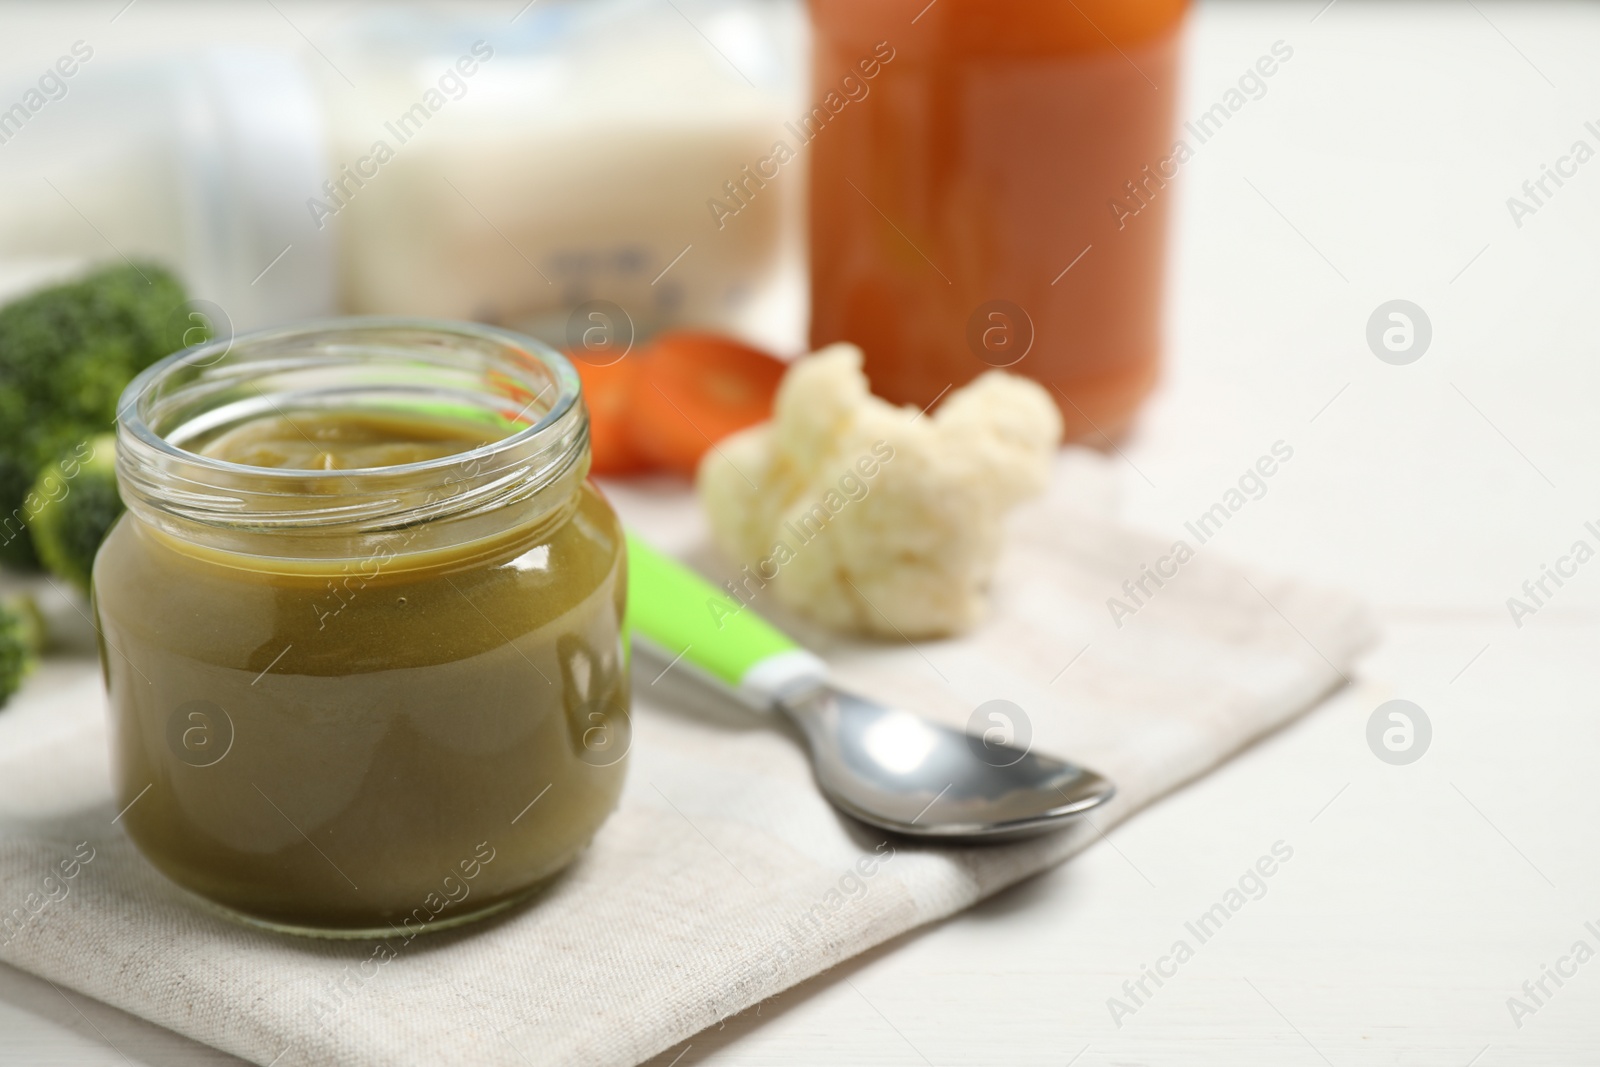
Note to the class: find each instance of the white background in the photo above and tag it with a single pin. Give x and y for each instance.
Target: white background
(1419, 898)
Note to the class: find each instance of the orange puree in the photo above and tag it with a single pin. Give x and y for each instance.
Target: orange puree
(977, 156)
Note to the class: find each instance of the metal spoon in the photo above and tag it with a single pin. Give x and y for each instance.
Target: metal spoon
(901, 772)
(882, 765)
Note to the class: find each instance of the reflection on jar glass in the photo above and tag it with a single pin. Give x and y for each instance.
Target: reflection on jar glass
(362, 624)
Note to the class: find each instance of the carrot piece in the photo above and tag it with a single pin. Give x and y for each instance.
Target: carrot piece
(606, 391)
(692, 389)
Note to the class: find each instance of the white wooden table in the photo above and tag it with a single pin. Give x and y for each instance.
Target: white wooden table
(1419, 897)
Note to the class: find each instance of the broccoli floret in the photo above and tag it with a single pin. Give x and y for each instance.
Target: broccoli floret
(73, 504)
(21, 635)
(66, 354)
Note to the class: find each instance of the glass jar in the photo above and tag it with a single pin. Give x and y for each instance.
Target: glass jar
(376, 699)
(991, 190)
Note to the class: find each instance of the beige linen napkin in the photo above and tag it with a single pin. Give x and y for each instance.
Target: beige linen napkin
(724, 877)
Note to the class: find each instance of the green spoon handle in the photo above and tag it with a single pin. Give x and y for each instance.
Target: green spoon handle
(687, 619)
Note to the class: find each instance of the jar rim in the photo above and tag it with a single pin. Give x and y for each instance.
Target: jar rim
(357, 363)
(132, 417)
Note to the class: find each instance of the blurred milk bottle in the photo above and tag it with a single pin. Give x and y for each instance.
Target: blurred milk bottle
(193, 162)
(504, 170)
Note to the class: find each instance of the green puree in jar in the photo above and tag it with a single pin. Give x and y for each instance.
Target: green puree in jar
(340, 441)
(397, 740)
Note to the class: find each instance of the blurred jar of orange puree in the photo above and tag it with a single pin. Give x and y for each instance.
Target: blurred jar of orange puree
(968, 162)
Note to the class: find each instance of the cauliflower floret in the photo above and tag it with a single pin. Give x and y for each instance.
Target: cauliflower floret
(873, 518)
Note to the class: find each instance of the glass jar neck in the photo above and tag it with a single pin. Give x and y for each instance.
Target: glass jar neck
(519, 395)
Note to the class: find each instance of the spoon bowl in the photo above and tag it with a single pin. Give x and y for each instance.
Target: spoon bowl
(901, 772)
